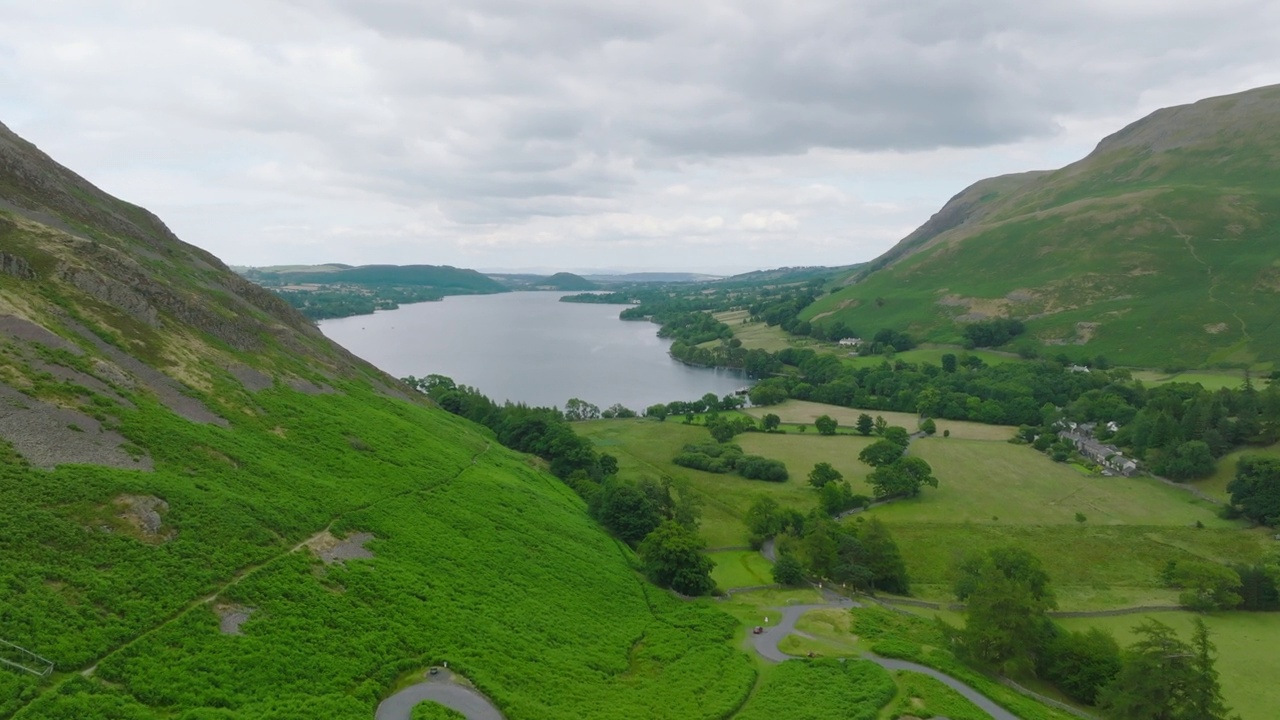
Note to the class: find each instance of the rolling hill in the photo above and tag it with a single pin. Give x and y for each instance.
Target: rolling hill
(1160, 248)
(211, 511)
(445, 278)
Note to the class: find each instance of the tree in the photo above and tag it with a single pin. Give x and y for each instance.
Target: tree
(865, 425)
(928, 427)
(672, 557)
(788, 571)
(618, 410)
(824, 473)
(626, 511)
(836, 497)
(575, 410)
(659, 411)
(883, 559)
(896, 434)
(904, 477)
(770, 421)
(722, 431)
(1207, 586)
(1012, 561)
(1186, 460)
(1163, 678)
(826, 425)
(1008, 597)
(948, 363)
(1082, 663)
(1256, 489)
(880, 453)
(879, 425)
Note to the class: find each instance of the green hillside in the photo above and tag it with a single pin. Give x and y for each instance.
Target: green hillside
(1158, 249)
(569, 281)
(446, 278)
(212, 512)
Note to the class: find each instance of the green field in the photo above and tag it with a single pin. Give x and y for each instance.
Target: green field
(644, 448)
(804, 412)
(759, 335)
(740, 569)
(1247, 661)
(981, 480)
(1225, 471)
(1209, 379)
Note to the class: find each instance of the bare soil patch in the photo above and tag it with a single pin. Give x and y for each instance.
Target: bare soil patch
(331, 549)
(231, 617)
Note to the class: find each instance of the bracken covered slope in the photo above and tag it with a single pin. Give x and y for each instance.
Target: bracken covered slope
(1160, 248)
(211, 512)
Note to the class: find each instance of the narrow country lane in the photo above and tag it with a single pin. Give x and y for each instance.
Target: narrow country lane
(443, 689)
(766, 644)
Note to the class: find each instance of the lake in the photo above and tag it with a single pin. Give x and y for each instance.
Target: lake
(530, 347)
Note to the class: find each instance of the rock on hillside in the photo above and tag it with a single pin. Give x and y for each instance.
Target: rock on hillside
(1158, 248)
(83, 274)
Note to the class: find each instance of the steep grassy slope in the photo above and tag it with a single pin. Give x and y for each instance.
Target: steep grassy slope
(212, 512)
(1160, 248)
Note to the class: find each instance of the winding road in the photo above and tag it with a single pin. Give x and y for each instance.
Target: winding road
(766, 645)
(443, 689)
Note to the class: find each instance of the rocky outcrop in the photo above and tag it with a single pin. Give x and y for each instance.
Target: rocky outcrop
(48, 436)
(16, 266)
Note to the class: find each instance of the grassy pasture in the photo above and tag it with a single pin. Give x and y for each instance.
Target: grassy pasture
(740, 568)
(756, 334)
(645, 448)
(1248, 664)
(982, 480)
(804, 412)
(1209, 379)
(1092, 568)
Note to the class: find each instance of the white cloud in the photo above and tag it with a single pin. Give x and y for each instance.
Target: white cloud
(579, 133)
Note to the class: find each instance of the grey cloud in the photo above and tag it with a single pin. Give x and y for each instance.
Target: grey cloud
(508, 115)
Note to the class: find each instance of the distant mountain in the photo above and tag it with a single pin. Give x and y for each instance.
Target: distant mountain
(1160, 248)
(532, 281)
(651, 277)
(450, 280)
(569, 281)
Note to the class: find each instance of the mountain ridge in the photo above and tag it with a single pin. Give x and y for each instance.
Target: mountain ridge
(1156, 249)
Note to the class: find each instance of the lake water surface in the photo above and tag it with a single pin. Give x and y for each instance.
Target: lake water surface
(529, 347)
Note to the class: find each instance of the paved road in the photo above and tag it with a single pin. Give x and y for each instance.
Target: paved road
(441, 689)
(766, 644)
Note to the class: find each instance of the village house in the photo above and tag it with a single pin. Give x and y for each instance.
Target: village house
(850, 342)
(1109, 457)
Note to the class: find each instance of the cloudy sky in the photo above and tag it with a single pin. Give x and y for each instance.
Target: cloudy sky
(579, 134)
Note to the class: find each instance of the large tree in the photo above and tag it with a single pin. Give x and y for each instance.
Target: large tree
(880, 453)
(824, 473)
(826, 425)
(1256, 489)
(903, 477)
(1163, 678)
(672, 557)
(1006, 625)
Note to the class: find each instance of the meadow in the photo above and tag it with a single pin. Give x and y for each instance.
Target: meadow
(803, 412)
(1107, 538)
